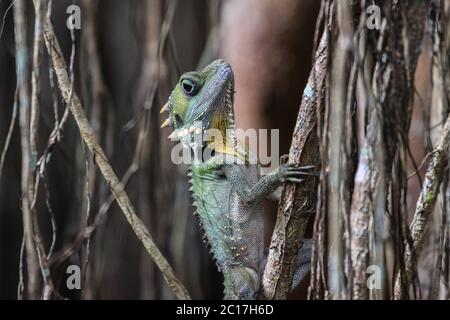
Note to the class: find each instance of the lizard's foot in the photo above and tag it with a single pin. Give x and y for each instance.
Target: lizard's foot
(292, 173)
(244, 283)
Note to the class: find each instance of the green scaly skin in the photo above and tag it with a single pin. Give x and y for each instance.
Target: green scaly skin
(227, 190)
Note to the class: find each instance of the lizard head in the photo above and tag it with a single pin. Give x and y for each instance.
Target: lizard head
(200, 101)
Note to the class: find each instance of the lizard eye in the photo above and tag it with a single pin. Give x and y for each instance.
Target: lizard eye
(189, 87)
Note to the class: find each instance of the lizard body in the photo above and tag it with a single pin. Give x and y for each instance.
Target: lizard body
(226, 188)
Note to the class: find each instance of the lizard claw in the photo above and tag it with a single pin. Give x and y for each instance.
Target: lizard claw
(292, 173)
(302, 171)
(284, 159)
(295, 180)
(306, 167)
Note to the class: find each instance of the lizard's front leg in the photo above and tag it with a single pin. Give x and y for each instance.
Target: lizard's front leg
(267, 184)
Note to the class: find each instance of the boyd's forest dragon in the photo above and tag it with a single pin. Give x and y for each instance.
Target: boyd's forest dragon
(227, 188)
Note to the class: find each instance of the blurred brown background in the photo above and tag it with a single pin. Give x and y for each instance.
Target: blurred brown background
(127, 57)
